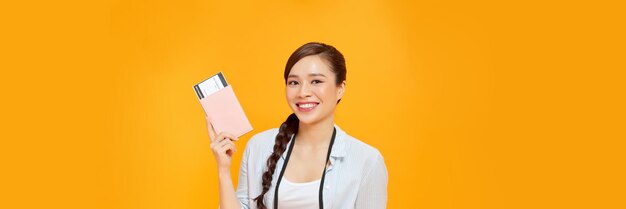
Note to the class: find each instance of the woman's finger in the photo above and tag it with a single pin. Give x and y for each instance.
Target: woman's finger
(225, 143)
(212, 134)
(222, 143)
(222, 137)
(219, 142)
(229, 135)
(229, 145)
(228, 148)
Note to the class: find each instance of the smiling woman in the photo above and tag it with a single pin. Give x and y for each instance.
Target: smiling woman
(312, 85)
(325, 167)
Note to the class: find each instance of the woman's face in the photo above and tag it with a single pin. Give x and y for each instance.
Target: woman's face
(311, 90)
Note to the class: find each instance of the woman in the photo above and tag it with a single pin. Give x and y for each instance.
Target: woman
(309, 161)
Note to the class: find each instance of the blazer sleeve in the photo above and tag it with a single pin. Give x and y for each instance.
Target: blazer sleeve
(242, 185)
(373, 189)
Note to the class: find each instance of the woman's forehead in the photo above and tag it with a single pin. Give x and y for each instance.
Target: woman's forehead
(310, 66)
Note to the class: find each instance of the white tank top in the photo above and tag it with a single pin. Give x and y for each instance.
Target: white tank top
(298, 195)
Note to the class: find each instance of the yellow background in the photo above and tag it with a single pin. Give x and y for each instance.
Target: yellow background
(474, 104)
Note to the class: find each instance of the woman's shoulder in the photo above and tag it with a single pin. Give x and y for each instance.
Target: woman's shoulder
(359, 148)
(263, 140)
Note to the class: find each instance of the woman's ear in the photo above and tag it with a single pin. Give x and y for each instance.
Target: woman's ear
(341, 89)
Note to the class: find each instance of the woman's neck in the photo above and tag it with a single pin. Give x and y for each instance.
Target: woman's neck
(317, 134)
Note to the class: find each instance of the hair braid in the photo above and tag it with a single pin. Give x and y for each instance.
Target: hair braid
(288, 128)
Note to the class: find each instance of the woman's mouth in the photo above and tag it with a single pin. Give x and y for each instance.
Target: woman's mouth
(306, 106)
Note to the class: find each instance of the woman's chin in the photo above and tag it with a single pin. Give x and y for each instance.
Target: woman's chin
(307, 119)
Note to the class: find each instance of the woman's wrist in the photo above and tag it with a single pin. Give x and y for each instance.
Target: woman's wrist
(223, 172)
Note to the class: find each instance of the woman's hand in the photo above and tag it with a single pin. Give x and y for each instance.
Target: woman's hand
(223, 147)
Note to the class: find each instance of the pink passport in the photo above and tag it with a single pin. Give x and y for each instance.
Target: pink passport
(225, 113)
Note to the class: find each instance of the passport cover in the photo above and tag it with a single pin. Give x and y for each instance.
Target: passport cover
(225, 113)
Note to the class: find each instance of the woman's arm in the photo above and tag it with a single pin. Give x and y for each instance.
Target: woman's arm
(223, 147)
(373, 189)
(228, 200)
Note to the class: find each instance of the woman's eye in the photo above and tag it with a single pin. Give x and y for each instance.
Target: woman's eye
(316, 81)
(292, 83)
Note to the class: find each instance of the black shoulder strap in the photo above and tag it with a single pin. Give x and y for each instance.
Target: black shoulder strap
(330, 148)
(280, 176)
(282, 172)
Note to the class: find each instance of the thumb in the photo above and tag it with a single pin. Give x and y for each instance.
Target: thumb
(212, 134)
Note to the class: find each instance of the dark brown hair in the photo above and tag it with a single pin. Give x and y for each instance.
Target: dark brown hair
(337, 64)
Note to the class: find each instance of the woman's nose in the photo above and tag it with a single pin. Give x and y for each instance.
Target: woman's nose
(304, 91)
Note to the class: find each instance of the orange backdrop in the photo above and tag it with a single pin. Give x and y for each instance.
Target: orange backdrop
(474, 104)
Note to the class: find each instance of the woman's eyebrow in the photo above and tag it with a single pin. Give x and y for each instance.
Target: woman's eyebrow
(310, 75)
(316, 74)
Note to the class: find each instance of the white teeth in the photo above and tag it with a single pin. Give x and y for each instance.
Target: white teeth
(307, 105)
